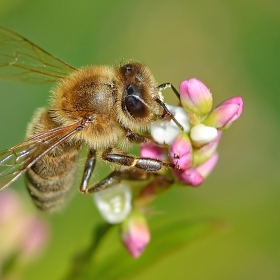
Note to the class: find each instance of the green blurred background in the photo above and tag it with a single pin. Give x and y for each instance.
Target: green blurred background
(234, 48)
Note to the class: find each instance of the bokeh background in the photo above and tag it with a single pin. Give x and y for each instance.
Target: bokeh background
(234, 48)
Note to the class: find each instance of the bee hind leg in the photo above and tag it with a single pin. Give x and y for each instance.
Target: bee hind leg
(147, 164)
(132, 168)
(116, 176)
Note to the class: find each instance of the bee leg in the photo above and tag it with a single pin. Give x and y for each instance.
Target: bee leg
(137, 138)
(88, 169)
(147, 164)
(116, 176)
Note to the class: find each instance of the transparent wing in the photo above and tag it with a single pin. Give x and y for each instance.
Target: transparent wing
(15, 161)
(21, 60)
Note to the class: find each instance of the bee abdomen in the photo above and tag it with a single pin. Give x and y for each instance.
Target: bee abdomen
(50, 180)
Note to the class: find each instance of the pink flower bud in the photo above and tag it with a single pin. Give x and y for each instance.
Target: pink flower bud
(150, 150)
(9, 205)
(226, 113)
(196, 97)
(35, 236)
(189, 177)
(180, 151)
(206, 168)
(135, 233)
(202, 154)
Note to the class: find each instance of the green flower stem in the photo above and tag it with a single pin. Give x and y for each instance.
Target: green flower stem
(83, 260)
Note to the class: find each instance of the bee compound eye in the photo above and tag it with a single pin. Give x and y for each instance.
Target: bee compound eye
(129, 89)
(135, 107)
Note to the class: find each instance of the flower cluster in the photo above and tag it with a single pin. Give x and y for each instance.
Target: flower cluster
(193, 151)
(22, 234)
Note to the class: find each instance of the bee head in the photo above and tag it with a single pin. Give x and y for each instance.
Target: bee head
(140, 98)
(139, 93)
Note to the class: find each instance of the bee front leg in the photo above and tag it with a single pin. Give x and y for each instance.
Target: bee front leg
(88, 169)
(147, 164)
(137, 138)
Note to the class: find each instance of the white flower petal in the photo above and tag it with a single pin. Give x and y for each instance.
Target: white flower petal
(165, 131)
(182, 117)
(114, 203)
(203, 134)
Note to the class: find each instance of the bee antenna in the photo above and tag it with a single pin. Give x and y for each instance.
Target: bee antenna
(167, 112)
(169, 85)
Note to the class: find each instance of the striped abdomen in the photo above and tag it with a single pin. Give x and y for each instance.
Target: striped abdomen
(50, 179)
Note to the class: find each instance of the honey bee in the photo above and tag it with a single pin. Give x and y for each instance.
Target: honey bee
(100, 107)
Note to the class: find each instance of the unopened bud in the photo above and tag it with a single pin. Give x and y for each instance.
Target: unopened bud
(226, 113)
(196, 97)
(35, 237)
(189, 177)
(150, 150)
(135, 233)
(180, 151)
(202, 154)
(206, 168)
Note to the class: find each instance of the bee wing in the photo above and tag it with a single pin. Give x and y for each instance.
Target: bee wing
(21, 60)
(15, 161)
